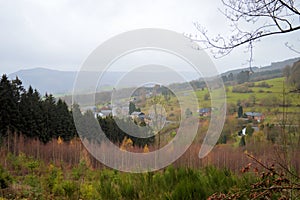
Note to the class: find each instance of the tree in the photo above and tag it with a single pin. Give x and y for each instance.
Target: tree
(230, 77)
(243, 77)
(26, 112)
(49, 118)
(65, 122)
(267, 18)
(132, 107)
(9, 98)
(294, 77)
(242, 141)
(240, 112)
(10, 92)
(224, 78)
(206, 97)
(30, 108)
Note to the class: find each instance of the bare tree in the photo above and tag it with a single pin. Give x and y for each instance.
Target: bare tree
(267, 18)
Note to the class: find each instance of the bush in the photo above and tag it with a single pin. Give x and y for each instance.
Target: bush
(87, 191)
(263, 85)
(251, 84)
(269, 101)
(249, 130)
(108, 186)
(69, 187)
(241, 89)
(261, 91)
(231, 108)
(189, 190)
(5, 178)
(206, 97)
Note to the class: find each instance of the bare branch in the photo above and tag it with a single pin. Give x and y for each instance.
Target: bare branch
(291, 47)
(269, 17)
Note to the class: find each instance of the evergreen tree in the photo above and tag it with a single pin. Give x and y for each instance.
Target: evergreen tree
(132, 108)
(50, 120)
(9, 116)
(25, 111)
(240, 111)
(31, 113)
(78, 118)
(64, 127)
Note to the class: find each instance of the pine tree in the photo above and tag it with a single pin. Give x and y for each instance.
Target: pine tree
(49, 118)
(30, 108)
(9, 116)
(64, 127)
(240, 112)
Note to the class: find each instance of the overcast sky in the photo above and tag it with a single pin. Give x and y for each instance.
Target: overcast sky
(60, 34)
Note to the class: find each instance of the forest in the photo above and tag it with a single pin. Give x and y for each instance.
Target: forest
(27, 113)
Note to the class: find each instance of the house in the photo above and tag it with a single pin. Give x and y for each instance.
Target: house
(205, 112)
(103, 113)
(254, 116)
(139, 115)
(86, 108)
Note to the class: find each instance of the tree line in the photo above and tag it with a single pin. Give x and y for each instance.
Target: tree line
(25, 112)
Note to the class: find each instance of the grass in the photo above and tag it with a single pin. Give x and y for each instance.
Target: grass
(260, 93)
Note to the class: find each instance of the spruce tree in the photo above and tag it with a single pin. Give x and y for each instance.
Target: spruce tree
(9, 116)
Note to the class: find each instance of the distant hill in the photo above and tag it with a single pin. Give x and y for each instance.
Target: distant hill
(57, 82)
(46, 80)
(61, 82)
(274, 66)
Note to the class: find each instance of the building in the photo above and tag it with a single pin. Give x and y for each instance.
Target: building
(205, 112)
(254, 116)
(103, 113)
(139, 115)
(86, 108)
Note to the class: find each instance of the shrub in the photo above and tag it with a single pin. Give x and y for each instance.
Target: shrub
(241, 89)
(261, 91)
(189, 190)
(107, 187)
(231, 108)
(87, 191)
(53, 180)
(251, 84)
(249, 130)
(206, 97)
(5, 178)
(128, 191)
(263, 85)
(69, 187)
(32, 180)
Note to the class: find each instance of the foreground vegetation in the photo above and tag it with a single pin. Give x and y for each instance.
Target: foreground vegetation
(27, 178)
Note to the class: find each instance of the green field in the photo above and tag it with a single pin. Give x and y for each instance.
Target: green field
(276, 90)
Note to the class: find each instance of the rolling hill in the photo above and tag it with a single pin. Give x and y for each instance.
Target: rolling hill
(61, 82)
